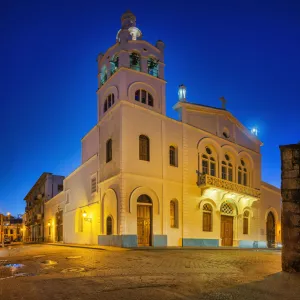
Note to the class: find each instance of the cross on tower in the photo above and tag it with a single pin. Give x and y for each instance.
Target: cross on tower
(224, 101)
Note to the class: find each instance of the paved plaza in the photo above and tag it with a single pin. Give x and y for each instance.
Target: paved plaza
(59, 272)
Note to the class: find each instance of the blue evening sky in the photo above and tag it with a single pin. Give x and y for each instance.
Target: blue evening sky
(247, 51)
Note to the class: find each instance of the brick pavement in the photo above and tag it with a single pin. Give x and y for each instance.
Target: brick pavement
(158, 274)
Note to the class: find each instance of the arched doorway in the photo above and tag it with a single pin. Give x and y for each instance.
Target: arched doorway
(271, 230)
(144, 220)
(227, 215)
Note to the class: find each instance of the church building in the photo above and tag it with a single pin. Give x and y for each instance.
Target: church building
(149, 180)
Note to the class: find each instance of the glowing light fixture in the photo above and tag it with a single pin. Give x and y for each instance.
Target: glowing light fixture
(182, 92)
(8, 213)
(254, 131)
(49, 223)
(85, 217)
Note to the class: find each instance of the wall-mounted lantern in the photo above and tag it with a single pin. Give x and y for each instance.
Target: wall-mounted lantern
(84, 214)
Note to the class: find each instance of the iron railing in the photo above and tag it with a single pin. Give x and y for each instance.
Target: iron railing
(205, 180)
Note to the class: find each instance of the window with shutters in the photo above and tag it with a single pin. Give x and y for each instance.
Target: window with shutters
(144, 148)
(246, 222)
(94, 184)
(173, 156)
(207, 217)
(109, 150)
(174, 214)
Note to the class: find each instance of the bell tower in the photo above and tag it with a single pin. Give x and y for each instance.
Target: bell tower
(131, 70)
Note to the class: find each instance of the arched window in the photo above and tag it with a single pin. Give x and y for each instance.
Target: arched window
(173, 214)
(227, 169)
(103, 75)
(109, 225)
(105, 106)
(135, 61)
(109, 101)
(243, 173)
(173, 156)
(144, 199)
(207, 217)
(144, 97)
(144, 147)
(224, 170)
(208, 163)
(246, 222)
(109, 150)
(153, 66)
(114, 64)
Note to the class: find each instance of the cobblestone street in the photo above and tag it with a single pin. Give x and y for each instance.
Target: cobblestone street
(58, 272)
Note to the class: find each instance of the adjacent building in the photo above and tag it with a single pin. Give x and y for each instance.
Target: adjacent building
(46, 187)
(149, 180)
(12, 228)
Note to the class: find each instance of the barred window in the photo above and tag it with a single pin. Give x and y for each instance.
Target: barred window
(144, 148)
(227, 208)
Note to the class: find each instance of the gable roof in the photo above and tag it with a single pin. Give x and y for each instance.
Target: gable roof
(221, 111)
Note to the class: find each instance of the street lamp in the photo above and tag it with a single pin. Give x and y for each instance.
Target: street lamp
(182, 93)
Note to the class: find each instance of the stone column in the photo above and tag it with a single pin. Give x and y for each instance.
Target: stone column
(290, 192)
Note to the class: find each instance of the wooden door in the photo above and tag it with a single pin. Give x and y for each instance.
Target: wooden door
(227, 230)
(59, 226)
(271, 230)
(144, 225)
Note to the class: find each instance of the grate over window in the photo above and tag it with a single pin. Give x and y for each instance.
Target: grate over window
(207, 207)
(226, 208)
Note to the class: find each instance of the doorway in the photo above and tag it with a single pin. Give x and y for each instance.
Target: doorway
(271, 230)
(227, 230)
(59, 226)
(144, 220)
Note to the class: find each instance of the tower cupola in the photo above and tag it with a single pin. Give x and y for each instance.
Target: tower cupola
(128, 25)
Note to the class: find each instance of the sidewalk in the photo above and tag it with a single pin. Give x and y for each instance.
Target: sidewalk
(95, 247)
(112, 248)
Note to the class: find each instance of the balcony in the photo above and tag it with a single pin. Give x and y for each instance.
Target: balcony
(205, 181)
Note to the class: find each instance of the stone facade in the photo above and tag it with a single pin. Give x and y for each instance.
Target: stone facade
(147, 179)
(290, 190)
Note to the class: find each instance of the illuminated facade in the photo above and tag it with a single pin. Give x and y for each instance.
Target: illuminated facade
(149, 180)
(45, 188)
